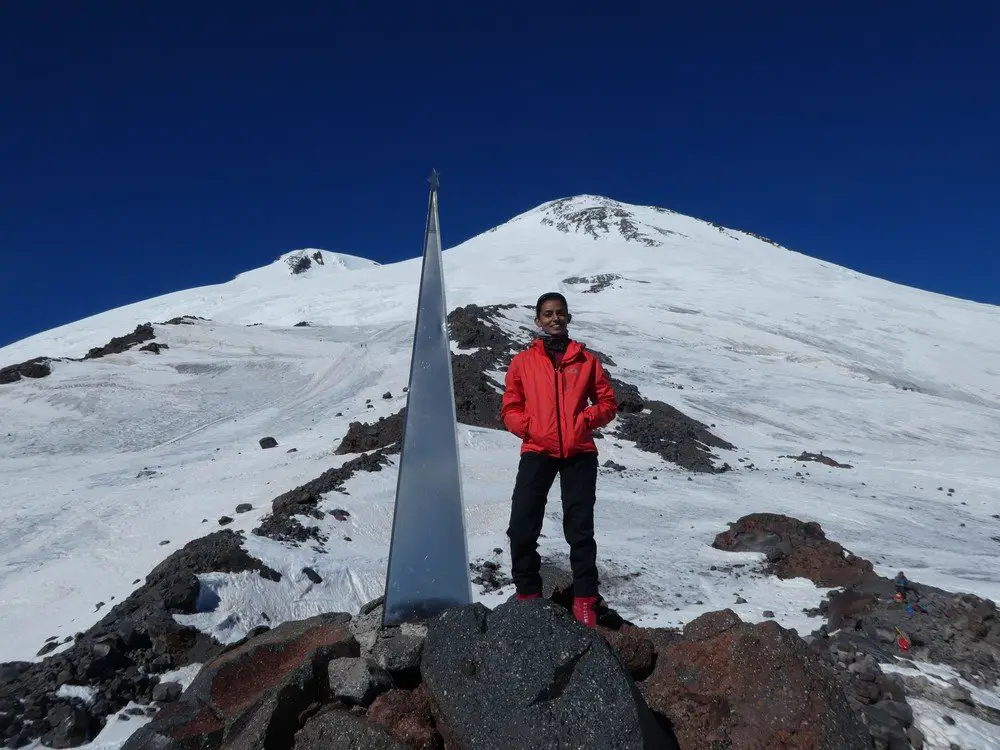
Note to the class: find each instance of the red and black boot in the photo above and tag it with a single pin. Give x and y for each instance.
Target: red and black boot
(585, 610)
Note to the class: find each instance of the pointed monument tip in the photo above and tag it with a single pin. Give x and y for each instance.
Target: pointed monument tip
(433, 179)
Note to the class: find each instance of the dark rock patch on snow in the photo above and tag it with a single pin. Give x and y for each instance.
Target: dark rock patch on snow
(819, 458)
(386, 433)
(660, 428)
(121, 656)
(281, 524)
(795, 549)
(489, 575)
(597, 283)
(478, 395)
(183, 320)
(268, 442)
(299, 262)
(596, 221)
(39, 367)
(142, 333)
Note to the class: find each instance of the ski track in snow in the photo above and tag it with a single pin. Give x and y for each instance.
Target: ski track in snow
(780, 352)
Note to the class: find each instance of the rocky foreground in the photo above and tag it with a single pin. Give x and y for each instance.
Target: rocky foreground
(522, 675)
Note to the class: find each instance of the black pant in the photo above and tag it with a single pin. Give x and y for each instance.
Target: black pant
(578, 485)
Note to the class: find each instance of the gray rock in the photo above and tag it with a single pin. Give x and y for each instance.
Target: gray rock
(916, 738)
(167, 692)
(357, 679)
(244, 508)
(398, 653)
(365, 626)
(527, 675)
(864, 670)
(70, 726)
(342, 730)
(958, 693)
(898, 710)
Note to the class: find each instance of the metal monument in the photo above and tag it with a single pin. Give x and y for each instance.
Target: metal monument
(428, 567)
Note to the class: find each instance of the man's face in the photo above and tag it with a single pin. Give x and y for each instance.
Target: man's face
(553, 317)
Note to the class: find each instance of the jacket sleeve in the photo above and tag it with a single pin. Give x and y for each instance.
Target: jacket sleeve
(512, 404)
(605, 406)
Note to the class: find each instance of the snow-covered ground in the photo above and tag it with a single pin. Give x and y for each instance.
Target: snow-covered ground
(109, 465)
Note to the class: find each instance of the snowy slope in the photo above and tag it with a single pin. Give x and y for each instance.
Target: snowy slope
(105, 460)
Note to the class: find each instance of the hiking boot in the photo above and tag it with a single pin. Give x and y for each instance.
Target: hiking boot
(585, 610)
(525, 597)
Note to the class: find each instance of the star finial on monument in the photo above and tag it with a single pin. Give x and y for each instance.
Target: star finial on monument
(433, 179)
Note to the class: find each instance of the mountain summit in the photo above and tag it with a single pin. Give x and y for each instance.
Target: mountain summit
(754, 383)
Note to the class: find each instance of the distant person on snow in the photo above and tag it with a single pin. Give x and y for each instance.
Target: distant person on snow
(556, 394)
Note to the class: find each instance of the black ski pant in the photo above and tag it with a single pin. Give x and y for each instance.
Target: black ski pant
(578, 485)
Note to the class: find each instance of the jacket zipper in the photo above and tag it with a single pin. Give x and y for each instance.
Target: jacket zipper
(558, 413)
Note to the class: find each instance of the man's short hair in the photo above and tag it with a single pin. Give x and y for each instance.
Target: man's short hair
(548, 297)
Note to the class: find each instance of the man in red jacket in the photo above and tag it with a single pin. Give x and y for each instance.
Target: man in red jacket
(556, 394)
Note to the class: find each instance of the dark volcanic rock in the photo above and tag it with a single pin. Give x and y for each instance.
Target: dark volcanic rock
(527, 675)
(729, 684)
(819, 458)
(224, 704)
(71, 726)
(185, 320)
(281, 525)
(38, 367)
(140, 632)
(362, 437)
(674, 436)
(795, 549)
(336, 729)
(142, 333)
(477, 402)
(268, 442)
(154, 347)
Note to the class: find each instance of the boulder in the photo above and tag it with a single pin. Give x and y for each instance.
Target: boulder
(253, 695)
(527, 675)
(729, 684)
(357, 679)
(268, 442)
(341, 730)
(407, 716)
(398, 653)
(795, 549)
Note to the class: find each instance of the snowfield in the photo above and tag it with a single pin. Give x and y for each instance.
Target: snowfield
(109, 465)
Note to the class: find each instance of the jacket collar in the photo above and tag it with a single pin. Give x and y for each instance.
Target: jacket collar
(573, 349)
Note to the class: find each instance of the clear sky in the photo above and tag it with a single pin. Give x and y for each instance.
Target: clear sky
(152, 146)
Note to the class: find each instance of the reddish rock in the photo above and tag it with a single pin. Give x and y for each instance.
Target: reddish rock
(795, 549)
(406, 715)
(635, 649)
(729, 684)
(253, 695)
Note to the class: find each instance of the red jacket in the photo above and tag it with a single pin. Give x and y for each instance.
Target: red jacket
(548, 407)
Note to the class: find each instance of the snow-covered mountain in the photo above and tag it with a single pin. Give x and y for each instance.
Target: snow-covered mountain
(110, 463)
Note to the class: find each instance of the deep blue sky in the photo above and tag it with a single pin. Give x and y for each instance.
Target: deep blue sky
(152, 146)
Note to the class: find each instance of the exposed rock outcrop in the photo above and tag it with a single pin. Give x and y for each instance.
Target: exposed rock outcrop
(795, 549)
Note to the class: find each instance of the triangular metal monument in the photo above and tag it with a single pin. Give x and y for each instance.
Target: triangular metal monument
(428, 567)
